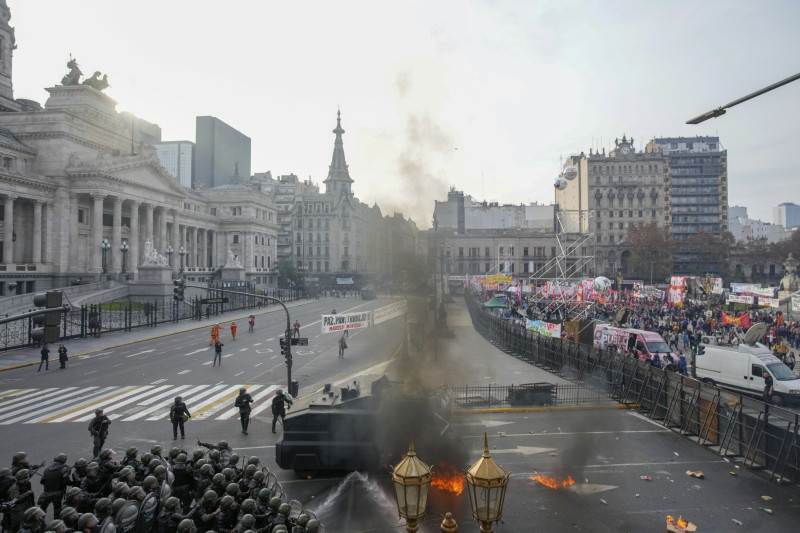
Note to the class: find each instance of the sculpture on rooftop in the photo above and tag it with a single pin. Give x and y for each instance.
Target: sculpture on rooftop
(73, 77)
(96, 82)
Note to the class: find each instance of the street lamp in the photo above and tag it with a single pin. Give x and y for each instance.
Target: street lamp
(487, 484)
(105, 246)
(124, 249)
(169, 251)
(182, 252)
(412, 479)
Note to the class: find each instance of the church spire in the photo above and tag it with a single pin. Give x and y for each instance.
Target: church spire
(338, 179)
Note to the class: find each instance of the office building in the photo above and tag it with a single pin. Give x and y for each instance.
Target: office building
(177, 158)
(787, 215)
(221, 153)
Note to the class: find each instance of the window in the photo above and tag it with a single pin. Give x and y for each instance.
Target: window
(599, 239)
(611, 239)
(486, 267)
(621, 214)
(630, 214)
(610, 225)
(611, 214)
(486, 254)
(235, 239)
(640, 214)
(81, 216)
(621, 225)
(460, 251)
(525, 252)
(757, 371)
(511, 253)
(299, 252)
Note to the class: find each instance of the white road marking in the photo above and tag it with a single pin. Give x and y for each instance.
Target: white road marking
(259, 364)
(119, 364)
(140, 353)
(158, 381)
(273, 357)
(227, 355)
(257, 344)
(207, 363)
(88, 409)
(244, 349)
(90, 372)
(197, 351)
(162, 404)
(239, 374)
(184, 372)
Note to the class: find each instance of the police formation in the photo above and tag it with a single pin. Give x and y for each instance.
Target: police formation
(209, 490)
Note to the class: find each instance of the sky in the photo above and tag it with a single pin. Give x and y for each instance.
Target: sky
(483, 96)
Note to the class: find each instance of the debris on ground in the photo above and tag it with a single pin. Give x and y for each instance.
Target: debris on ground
(697, 473)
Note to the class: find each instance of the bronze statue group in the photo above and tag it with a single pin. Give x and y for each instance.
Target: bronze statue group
(211, 489)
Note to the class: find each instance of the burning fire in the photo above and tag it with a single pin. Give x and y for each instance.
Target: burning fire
(448, 478)
(553, 482)
(679, 523)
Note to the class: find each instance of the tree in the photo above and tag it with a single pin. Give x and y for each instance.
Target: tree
(711, 253)
(286, 269)
(652, 251)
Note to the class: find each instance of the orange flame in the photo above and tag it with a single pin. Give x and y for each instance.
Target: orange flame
(679, 523)
(448, 478)
(552, 482)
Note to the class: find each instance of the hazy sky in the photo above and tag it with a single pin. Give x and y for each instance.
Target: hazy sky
(483, 96)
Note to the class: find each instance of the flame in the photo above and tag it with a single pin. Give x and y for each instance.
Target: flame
(679, 523)
(552, 482)
(448, 478)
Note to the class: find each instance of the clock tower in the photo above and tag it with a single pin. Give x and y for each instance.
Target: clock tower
(624, 147)
(7, 46)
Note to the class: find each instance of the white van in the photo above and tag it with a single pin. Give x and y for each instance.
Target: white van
(741, 368)
(645, 343)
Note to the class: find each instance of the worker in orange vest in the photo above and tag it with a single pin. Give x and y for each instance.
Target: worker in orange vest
(214, 334)
(233, 330)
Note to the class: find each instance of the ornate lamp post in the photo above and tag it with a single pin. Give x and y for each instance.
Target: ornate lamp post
(124, 249)
(105, 246)
(412, 479)
(182, 252)
(487, 484)
(169, 251)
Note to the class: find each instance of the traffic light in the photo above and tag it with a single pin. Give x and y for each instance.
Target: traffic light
(178, 285)
(48, 329)
(286, 350)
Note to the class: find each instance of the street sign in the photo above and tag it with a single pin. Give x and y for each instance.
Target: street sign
(299, 341)
(205, 301)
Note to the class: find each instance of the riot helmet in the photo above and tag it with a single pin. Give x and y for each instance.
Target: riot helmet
(102, 507)
(187, 526)
(198, 454)
(274, 503)
(136, 493)
(171, 504)
(156, 450)
(247, 507)
(32, 514)
(284, 509)
(180, 458)
(87, 521)
(150, 483)
(264, 495)
(232, 489)
(60, 458)
(227, 501)
(23, 475)
(248, 521)
(209, 496)
(312, 526)
(132, 452)
(116, 505)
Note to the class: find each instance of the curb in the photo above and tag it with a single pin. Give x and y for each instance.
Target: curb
(544, 408)
(23, 365)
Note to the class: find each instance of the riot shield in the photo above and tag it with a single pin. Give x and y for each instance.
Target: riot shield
(224, 457)
(148, 515)
(170, 476)
(277, 490)
(311, 514)
(125, 521)
(107, 526)
(270, 480)
(295, 510)
(166, 491)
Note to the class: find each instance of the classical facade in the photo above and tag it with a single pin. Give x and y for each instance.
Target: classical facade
(613, 192)
(73, 177)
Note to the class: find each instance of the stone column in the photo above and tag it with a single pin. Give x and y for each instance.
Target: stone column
(133, 254)
(203, 248)
(8, 236)
(162, 230)
(116, 237)
(37, 232)
(50, 234)
(214, 250)
(192, 248)
(176, 226)
(148, 223)
(95, 252)
(73, 233)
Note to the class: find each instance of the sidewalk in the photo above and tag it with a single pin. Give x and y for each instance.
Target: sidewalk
(30, 356)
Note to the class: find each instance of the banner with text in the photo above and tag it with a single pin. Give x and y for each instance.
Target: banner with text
(768, 302)
(545, 329)
(390, 311)
(796, 303)
(739, 299)
(334, 323)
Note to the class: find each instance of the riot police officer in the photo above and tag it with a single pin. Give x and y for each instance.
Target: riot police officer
(22, 494)
(98, 429)
(279, 407)
(178, 414)
(55, 480)
(33, 521)
(78, 473)
(131, 460)
(243, 402)
(184, 483)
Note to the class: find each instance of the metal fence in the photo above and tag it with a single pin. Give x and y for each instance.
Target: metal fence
(528, 394)
(129, 313)
(762, 437)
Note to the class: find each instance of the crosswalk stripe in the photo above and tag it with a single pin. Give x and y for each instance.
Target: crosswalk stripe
(32, 396)
(60, 405)
(233, 411)
(161, 404)
(198, 409)
(127, 403)
(89, 405)
(56, 402)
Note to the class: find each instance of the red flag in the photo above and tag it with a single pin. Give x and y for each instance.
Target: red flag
(742, 321)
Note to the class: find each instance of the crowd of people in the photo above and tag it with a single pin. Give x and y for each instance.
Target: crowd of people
(678, 325)
(211, 489)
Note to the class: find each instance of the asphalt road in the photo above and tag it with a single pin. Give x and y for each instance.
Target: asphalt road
(604, 450)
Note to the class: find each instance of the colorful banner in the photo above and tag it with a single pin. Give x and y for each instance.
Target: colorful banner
(796, 303)
(742, 321)
(716, 287)
(344, 281)
(739, 299)
(677, 287)
(752, 290)
(545, 329)
(390, 311)
(334, 323)
(499, 278)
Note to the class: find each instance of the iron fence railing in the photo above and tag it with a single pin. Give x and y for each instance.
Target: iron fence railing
(763, 437)
(528, 394)
(135, 312)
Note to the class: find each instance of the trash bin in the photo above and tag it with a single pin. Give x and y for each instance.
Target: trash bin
(294, 388)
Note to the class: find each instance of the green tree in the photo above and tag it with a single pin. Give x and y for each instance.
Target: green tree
(652, 251)
(711, 253)
(286, 269)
